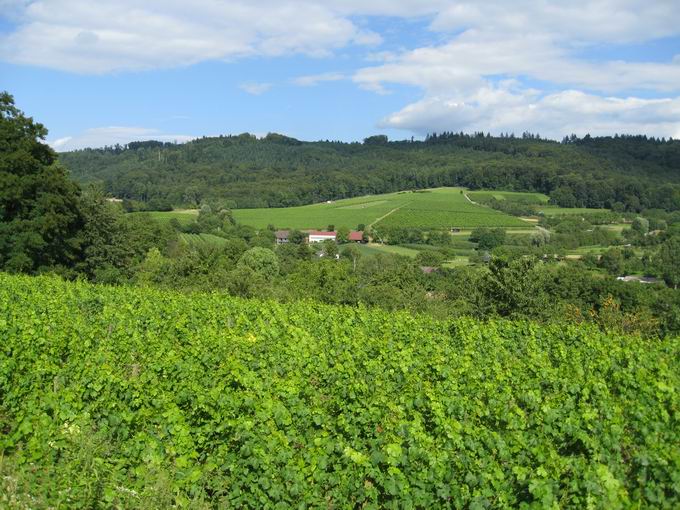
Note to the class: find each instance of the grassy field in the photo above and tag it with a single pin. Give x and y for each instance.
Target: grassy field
(617, 227)
(203, 239)
(437, 208)
(375, 249)
(457, 262)
(553, 210)
(515, 196)
(184, 216)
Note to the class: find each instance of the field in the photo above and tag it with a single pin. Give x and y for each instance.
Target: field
(121, 397)
(440, 208)
(375, 248)
(446, 208)
(515, 196)
(553, 210)
(184, 216)
(203, 240)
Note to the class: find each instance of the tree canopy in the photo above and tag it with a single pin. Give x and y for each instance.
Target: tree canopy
(39, 214)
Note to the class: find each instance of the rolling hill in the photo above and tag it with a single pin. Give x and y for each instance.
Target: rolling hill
(276, 171)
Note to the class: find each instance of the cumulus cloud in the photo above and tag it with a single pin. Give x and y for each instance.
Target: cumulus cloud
(502, 110)
(112, 135)
(106, 36)
(484, 77)
(613, 21)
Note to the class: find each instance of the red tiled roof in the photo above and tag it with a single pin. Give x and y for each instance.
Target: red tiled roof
(355, 235)
(321, 233)
(282, 234)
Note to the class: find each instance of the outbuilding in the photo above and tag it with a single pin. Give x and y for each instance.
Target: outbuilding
(356, 236)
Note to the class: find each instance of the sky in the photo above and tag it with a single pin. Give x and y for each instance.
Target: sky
(104, 72)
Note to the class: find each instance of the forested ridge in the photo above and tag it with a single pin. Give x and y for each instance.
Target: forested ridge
(627, 173)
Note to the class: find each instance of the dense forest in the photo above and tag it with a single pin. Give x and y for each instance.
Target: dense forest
(623, 173)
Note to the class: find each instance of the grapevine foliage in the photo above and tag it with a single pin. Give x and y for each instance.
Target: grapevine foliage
(127, 397)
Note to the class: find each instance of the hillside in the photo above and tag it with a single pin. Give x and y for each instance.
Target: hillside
(138, 398)
(440, 208)
(276, 171)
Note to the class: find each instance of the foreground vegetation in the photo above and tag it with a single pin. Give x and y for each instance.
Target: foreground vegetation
(138, 398)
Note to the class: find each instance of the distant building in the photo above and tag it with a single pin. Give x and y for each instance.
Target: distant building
(356, 236)
(281, 236)
(319, 236)
(428, 269)
(639, 279)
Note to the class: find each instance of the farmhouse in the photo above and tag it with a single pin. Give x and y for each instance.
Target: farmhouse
(319, 236)
(281, 236)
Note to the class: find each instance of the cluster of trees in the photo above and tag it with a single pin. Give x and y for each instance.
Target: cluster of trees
(278, 171)
(47, 223)
(518, 287)
(409, 235)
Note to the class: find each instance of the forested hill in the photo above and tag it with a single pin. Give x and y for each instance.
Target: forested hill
(627, 173)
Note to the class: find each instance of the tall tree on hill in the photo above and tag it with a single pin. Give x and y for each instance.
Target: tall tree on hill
(39, 215)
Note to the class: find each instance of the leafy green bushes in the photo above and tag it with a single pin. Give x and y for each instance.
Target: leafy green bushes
(138, 398)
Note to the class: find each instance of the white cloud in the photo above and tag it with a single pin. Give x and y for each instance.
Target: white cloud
(616, 21)
(481, 43)
(60, 142)
(464, 62)
(108, 36)
(464, 80)
(314, 79)
(255, 89)
(112, 135)
(501, 109)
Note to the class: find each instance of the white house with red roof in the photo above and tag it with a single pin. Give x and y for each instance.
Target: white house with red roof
(319, 236)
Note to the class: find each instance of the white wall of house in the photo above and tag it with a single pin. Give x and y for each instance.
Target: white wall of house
(315, 238)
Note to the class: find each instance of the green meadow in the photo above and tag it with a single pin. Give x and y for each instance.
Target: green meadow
(515, 196)
(553, 210)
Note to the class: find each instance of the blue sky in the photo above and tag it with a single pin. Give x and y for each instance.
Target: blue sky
(109, 72)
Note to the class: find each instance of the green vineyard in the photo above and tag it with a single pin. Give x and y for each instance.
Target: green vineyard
(137, 398)
(438, 208)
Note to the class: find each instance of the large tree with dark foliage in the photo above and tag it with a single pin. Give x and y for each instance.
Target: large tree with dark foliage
(39, 214)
